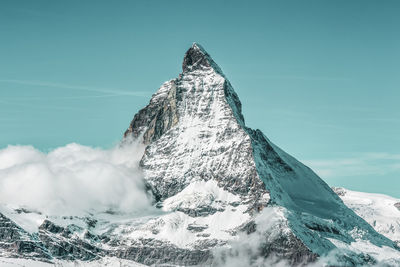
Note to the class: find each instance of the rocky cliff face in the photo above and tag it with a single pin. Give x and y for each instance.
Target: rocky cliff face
(215, 182)
(16, 242)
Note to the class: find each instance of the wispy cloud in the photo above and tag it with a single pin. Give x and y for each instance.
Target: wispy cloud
(39, 107)
(110, 91)
(363, 164)
(304, 78)
(30, 98)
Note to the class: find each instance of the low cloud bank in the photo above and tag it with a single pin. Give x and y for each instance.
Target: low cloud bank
(74, 179)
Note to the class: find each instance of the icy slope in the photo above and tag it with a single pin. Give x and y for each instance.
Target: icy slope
(315, 213)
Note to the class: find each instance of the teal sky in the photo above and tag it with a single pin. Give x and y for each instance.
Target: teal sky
(320, 78)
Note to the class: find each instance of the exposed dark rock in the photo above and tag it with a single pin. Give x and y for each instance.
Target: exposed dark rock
(196, 58)
(9, 231)
(288, 248)
(91, 223)
(203, 235)
(157, 117)
(197, 228)
(322, 228)
(90, 236)
(235, 204)
(16, 242)
(339, 191)
(249, 227)
(70, 249)
(154, 252)
(200, 211)
(51, 227)
(61, 243)
(397, 205)
(24, 210)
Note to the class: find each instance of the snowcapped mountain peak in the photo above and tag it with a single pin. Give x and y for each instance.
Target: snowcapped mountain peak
(195, 134)
(197, 58)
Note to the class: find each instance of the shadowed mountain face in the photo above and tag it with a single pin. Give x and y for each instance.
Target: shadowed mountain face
(221, 190)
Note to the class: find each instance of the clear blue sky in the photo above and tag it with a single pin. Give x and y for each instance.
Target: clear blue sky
(320, 78)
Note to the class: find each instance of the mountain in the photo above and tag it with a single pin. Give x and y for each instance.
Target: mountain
(195, 133)
(224, 193)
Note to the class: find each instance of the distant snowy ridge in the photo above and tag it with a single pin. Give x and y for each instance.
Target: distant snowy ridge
(380, 211)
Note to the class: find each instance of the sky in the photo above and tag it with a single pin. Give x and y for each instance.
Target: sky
(320, 78)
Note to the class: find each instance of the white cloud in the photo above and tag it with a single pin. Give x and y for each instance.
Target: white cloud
(74, 179)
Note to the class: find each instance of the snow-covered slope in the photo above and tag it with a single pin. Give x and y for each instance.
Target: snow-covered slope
(380, 211)
(216, 183)
(106, 261)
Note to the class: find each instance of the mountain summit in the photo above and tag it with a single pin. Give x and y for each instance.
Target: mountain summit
(196, 58)
(222, 192)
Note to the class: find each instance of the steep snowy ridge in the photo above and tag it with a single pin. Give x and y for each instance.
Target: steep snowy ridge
(216, 183)
(312, 206)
